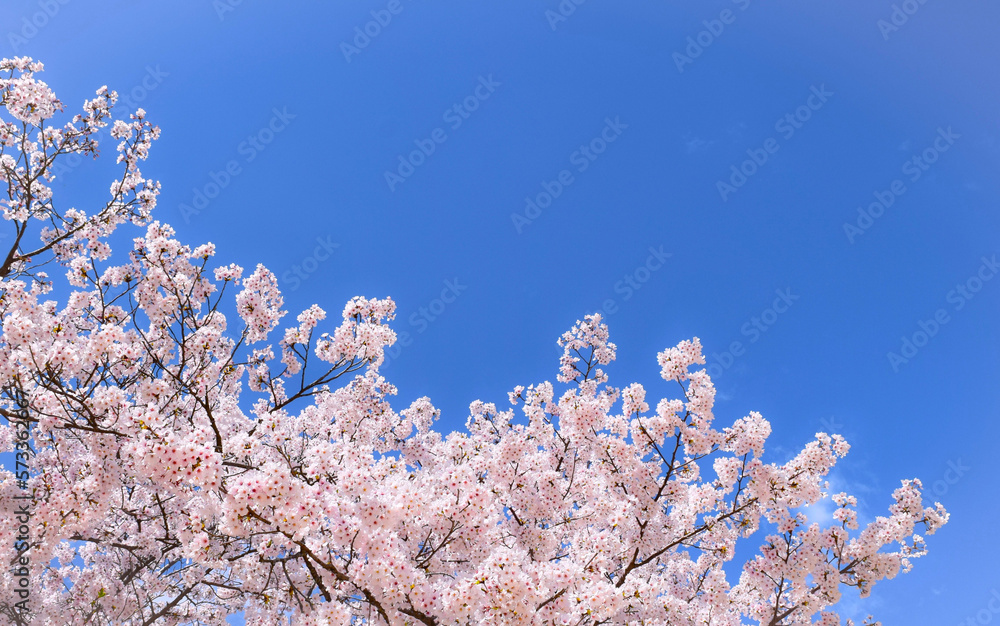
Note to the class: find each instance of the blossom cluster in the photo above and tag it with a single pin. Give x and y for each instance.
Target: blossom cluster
(191, 464)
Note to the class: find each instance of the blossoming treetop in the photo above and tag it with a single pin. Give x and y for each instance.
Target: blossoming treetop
(185, 468)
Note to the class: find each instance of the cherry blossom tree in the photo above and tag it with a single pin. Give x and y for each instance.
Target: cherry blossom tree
(188, 464)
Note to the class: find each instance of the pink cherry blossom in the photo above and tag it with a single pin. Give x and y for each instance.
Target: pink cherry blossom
(188, 465)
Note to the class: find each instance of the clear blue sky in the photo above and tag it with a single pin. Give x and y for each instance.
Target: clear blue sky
(671, 118)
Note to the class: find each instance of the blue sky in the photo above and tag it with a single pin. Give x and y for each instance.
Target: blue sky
(639, 135)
